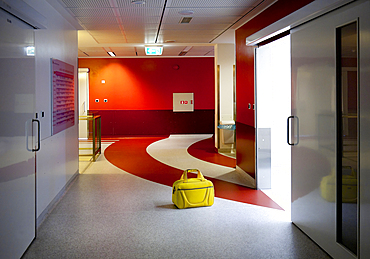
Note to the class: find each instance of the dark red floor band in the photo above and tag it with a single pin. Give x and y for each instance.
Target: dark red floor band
(205, 150)
(130, 155)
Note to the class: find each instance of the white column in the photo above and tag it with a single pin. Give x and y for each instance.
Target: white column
(224, 86)
(83, 100)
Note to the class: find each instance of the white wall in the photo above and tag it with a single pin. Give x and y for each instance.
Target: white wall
(225, 58)
(57, 161)
(83, 102)
(224, 85)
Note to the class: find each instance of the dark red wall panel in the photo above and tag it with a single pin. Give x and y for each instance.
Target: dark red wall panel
(245, 86)
(155, 122)
(245, 148)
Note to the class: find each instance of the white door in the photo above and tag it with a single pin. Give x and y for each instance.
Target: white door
(17, 136)
(326, 148)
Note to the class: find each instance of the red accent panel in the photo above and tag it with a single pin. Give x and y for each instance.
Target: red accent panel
(205, 150)
(149, 83)
(245, 148)
(160, 122)
(131, 156)
(275, 12)
(245, 85)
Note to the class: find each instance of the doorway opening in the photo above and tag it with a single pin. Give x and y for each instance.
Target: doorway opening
(89, 125)
(273, 107)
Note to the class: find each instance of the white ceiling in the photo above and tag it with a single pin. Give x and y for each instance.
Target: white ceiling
(125, 27)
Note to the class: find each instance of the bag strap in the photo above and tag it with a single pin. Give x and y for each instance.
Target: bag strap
(185, 175)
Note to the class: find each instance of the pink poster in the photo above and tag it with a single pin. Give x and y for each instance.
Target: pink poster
(63, 96)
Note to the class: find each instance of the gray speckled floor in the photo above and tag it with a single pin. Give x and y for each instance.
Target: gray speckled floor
(108, 213)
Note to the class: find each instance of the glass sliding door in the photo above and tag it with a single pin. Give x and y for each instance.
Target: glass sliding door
(330, 67)
(18, 129)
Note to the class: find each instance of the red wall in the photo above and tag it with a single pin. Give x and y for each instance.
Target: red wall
(147, 85)
(245, 131)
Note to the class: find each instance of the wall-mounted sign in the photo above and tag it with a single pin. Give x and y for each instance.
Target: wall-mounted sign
(63, 95)
(153, 50)
(183, 102)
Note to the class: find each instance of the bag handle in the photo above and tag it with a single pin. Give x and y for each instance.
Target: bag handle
(185, 175)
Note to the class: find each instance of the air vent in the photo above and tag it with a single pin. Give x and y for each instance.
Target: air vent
(186, 19)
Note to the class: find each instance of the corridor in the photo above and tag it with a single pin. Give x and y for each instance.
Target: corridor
(108, 212)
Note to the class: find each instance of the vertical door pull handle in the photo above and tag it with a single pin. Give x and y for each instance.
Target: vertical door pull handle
(288, 130)
(38, 134)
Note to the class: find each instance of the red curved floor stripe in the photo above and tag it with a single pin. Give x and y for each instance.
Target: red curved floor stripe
(131, 156)
(205, 150)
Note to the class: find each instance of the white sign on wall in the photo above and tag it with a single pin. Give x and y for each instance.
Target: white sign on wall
(183, 102)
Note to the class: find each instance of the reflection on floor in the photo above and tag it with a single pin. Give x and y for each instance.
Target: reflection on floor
(110, 213)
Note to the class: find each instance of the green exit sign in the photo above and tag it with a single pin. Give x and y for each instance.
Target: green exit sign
(153, 50)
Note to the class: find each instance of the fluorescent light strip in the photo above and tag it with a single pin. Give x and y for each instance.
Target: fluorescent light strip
(111, 53)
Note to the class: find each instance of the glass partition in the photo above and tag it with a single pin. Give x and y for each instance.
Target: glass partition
(347, 137)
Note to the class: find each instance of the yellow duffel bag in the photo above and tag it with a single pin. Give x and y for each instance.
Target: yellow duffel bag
(192, 192)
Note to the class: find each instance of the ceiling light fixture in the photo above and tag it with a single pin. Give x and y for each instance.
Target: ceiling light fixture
(137, 2)
(111, 53)
(186, 12)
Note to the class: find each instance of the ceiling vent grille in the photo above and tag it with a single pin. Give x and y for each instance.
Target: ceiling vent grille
(186, 20)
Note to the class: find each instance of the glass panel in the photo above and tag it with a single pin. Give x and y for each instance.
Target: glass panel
(347, 136)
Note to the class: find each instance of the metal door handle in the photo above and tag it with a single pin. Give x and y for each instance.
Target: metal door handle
(38, 135)
(288, 130)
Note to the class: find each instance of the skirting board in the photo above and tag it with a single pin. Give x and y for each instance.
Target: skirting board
(55, 201)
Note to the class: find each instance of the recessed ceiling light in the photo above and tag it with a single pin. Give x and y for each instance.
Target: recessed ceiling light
(186, 12)
(111, 53)
(137, 2)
